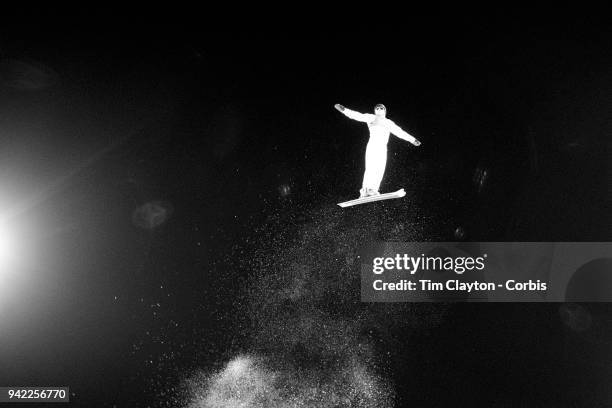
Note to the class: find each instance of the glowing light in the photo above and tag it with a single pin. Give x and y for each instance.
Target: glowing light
(7, 247)
(284, 190)
(152, 214)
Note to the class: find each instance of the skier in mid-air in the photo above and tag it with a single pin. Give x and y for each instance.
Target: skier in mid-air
(376, 151)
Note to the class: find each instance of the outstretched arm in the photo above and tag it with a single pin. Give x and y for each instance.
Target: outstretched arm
(402, 134)
(361, 117)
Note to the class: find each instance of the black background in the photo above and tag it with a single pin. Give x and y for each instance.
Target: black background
(235, 131)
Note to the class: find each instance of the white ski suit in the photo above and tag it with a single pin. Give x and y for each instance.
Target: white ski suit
(376, 151)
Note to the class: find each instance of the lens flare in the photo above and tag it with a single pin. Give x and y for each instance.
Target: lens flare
(7, 248)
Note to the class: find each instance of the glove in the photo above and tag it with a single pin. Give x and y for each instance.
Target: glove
(339, 107)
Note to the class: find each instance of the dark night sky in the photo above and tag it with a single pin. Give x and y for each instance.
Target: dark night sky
(235, 137)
